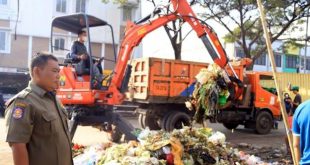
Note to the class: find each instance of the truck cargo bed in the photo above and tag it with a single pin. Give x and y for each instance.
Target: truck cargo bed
(156, 80)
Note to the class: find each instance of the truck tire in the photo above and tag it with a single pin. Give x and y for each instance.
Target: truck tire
(177, 120)
(151, 122)
(142, 120)
(264, 122)
(164, 120)
(230, 126)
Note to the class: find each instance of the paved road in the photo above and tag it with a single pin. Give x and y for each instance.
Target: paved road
(89, 135)
(241, 135)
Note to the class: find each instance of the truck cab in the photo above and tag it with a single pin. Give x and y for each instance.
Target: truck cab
(257, 107)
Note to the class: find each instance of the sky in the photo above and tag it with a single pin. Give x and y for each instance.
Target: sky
(157, 43)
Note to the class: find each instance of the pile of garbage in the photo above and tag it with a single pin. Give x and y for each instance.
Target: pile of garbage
(187, 146)
(77, 149)
(210, 92)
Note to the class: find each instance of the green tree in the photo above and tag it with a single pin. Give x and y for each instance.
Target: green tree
(241, 19)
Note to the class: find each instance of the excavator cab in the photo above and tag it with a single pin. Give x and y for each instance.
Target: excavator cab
(84, 103)
(76, 81)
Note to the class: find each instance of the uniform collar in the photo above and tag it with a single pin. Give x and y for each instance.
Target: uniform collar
(35, 88)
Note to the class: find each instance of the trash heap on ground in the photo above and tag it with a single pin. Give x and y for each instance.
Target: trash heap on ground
(187, 146)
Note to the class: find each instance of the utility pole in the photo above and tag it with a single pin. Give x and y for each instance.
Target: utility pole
(306, 42)
(274, 70)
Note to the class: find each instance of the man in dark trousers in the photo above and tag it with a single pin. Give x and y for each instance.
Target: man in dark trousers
(297, 100)
(36, 121)
(79, 55)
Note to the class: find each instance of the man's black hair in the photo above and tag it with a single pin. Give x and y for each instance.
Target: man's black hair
(40, 60)
(81, 32)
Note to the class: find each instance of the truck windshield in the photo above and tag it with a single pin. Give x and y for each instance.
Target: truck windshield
(267, 83)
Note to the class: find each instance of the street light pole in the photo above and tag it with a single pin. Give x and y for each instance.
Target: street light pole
(306, 42)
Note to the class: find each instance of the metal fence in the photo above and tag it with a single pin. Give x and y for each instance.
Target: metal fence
(295, 79)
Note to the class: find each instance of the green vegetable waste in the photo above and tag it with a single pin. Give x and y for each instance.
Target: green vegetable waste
(208, 96)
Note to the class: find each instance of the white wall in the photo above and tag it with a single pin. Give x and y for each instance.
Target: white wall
(302, 51)
(108, 12)
(230, 49)
(36, 15)
(34, 18)
(6, 11)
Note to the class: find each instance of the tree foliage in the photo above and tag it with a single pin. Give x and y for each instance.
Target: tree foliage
(241, 19)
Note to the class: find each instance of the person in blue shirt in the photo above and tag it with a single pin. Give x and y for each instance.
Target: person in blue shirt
(301, 133)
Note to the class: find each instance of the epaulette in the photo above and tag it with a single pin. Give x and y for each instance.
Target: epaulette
(22, 94)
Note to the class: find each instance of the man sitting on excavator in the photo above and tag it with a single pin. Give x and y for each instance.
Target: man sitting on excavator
(79, 55)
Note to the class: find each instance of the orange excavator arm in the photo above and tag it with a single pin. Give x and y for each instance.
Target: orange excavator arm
(136, 32)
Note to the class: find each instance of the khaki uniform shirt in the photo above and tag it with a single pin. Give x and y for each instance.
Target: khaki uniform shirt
(37, 118)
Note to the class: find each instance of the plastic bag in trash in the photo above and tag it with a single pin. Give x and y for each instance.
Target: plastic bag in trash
(217, 138)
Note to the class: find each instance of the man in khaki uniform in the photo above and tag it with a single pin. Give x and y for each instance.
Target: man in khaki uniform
(36, 121)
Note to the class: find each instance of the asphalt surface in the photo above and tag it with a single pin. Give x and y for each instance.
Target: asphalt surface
(242, 135)
(89, 135)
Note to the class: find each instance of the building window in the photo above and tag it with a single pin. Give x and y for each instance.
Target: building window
(4, 41)
(80, 6)
(127, 13)
(278, 60)
(307, 64)
(261, 60)
(61, 6)
(3, 2)
(240, 53)
(59, 44)
(291, 62)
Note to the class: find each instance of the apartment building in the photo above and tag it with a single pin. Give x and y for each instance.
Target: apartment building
(289, 60)
(24, 34)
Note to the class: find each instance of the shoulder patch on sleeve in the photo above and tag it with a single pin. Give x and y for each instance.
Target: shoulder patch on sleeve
(18, 112)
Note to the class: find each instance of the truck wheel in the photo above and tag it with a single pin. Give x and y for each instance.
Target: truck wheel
(151, 122)
(165, 119)
(230, 125)
(177, 120)
(264, 122)
(142, 120)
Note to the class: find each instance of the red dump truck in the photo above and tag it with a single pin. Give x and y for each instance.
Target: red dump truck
(161, 87)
